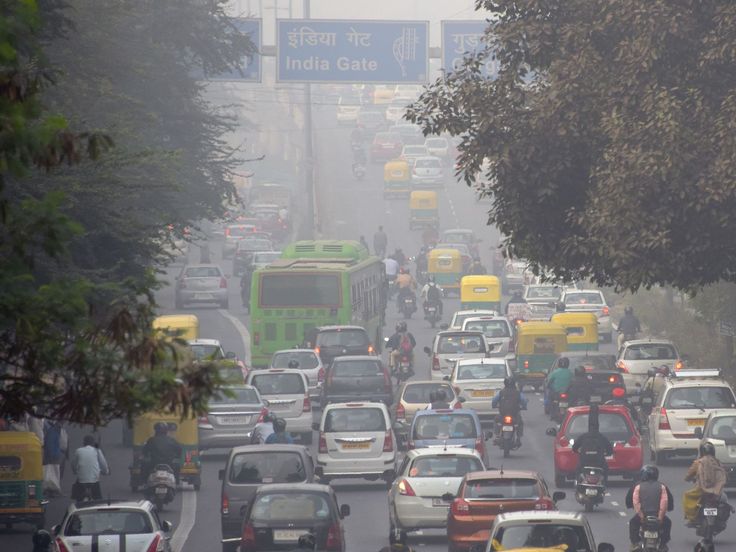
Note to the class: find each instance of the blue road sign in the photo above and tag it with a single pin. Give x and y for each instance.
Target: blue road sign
(250, 68)
(324, 50)
(462, 38)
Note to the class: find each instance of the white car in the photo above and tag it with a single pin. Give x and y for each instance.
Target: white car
(637, 357)
(287, 394)
(498, 332)
(308, 362)
(438, 146)
(542, 300)
(450, 346)
(426, 483)
(590, 300)
(462, 315)
(410, 153)
(720, 431)
(407, 92)
(348, 108)
(134, 526)
(356, 440)
(427, 171)
(478, 381)
(395, 112)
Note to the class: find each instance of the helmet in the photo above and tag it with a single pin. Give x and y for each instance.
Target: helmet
(306, 541)
(563, 362)
(707, 449)
(41, 539)
(432, 396)
(629, 310)
(279, 425)
(401, 327)
(649, 473)
(440, 395)
(293, 364)
(430, 279)
(508, 382)
(160, 427)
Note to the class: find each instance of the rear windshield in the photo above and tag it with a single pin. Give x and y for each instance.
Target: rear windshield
(583, 299)
(593, 362)
(357, 368)
(206, 352)
(650, 351)
(342, 338)
(278, 384)
(419, 393)
(700, 397)
(254, 245)
(238, 231)
(723, 427)
(355, 419)
(267, 467)
(481, 371)
(551, 536)
(491, 328)
(240, 396)
(444, 466)
(202, 272)
(428, 164)
(543, 292)
(460, 344)
(613, 426)
(506, 488)
(290, 507)
(110, 522)
(459, 319)
(445, 426)
(307, 360)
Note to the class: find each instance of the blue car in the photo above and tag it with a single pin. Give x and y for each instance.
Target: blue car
(452, 427)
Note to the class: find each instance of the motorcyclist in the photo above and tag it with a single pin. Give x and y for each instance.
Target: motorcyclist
(438, 400)
(592, 447)
(399, 256)
(162, 449)
(380, 242)
(477, 267)
(421, 261)
(516, 298)
(262, 430)
(510, 402)
(279, 435)
(649, 497)
(359, 159)
(357, 137)
(580, 388)
(558, 381)
(406, 285)
(401, 342)
(709, 477)
(628, 326)
(432, 295)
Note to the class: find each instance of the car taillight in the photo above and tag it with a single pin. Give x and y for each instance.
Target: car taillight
(61, 546)
(564, 442)
(563, 395)
(459, 507)
(544, 504)
(618, 392)
(606, 311)
(371, 350)
(321, 374)
(634, 441)
(256, 338)
(262, 415)
(156, 544)
(225, 505)
(679, 365)
(248, 538)
(508, 420)
(664, 421)
(457, 405)
(388, 442)
(203, 420)
(621, 365)
(405, 489)
(435, 363)
(334, 538)
(322, 443)
(479, 446)
(400, 412)
(307, 404)
(227, 231)
(223, 283)
(526, 364)
(316, 351)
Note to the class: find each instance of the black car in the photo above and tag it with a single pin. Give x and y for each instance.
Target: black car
(330, 342)
(602, 373)
(351, 378)
(244, 253)
(279, 514)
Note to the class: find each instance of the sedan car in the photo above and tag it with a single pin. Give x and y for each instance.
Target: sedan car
(498, 332)
(395, 112)
(478, 381)
(233, 234)
(386, 146)
(439, 147)
(542, 300)
(287, 395)
(427, 172)
(638, 356)
(590, 300)
(245, 251)
(484, 495)
(307, 361)
(410, 153)
(426, 482)
(358, 377)
(204, 283)
(134, 526)
(348, 107)
(458, 427)
(371, 121)
(231, 416)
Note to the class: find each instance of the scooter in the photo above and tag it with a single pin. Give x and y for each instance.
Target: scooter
(160, 486)
(506, 435)
(590, 488)
(650, 539)
(408, 306)
(712, 519)
(432, 313)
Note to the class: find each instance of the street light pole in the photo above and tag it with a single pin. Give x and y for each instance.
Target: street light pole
(309, 222)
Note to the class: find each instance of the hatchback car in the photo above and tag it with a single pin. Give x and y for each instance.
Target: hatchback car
(134, 526)
(450, 346)
(615, 424)
(458, 427)
(426, 482)
(371, 121)
(245, 251)
(203, 283)
(307, 361)
(542, 300)
(720, 431)
(351, 378)
(637, 357)
(410, 153)
(286, 393)
(250, 467)
(231, 416)
(330, 342)
(233, 234)
(280, 514)
(478, 381)
(460, 316)
(356, 440)
(427, 172)
(590, 300)
(438, 147)
(386, 146)
(484, 495)
(416, 395)
(498, 332)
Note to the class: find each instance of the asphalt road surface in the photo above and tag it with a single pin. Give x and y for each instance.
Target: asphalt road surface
(349, 209)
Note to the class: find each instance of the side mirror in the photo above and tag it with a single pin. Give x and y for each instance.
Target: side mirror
(315, 426)
(55, 529)
(557, 496)
(551, 431)
(651, 372)
(221, 475)
(445, 378)
(166, 526)
(344, 510)
(447, 497)
(606, 547)
(698, 431)
(231, 355)
(461, 399)
(428, 351)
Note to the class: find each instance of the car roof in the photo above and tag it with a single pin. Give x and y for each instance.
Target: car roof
(206, 265)
(429, 158)
(296, 487)
(356, 404)
(287, 371)
(448, 412)
(442, 451)
(345, 358)
(722, 413)
(571, 291)
(485, 360)
(457, 231)
(501, 474)
(214, 342)
(609, 408)
(485, 317)
(260, 449)
(542, 515)
(697, 382)
(286, 351)
(97, 505)
(655, 341)
(339, 327)
(460, 332)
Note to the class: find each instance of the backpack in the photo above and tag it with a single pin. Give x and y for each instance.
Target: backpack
(405, 344)
(433, 294)
(509, 402)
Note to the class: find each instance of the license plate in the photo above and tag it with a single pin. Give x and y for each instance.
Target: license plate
(356, 446)
(202, 296)
(563, 405)
(591, 492)
(397, 174)
(595, 398)
(696, 422)
(277, 406)
(431, 309)
(651, 535)
(438, 502)
(710, 512)
(483, 393)
(161, 490)
(287, 535)
(507, 428)
(233, 420)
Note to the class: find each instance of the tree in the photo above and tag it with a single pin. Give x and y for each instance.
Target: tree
(607, 136)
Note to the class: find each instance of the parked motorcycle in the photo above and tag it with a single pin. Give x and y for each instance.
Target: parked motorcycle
(712, 519)
(160, 485)
(432, 314)
(408, 306)
(650, 539)
(506, 435)
(590, 487)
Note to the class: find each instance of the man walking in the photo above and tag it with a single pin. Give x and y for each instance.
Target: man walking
(88, 464)
(380, 242)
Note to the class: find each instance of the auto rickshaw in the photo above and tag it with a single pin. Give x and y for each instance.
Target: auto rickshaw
(182, 326)
(21, 479)
(184, 430)
(446, 266)
(423, 211)
(538, 344)
(480, 292)
(582, 329)
(396, 179)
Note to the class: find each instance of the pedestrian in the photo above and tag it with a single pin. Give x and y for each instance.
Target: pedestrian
(53, 454)
(364, 243)
(88, 464)
(380, 242)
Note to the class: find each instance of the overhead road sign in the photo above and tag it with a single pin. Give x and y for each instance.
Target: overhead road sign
(352, 51)
(461, 39)
(250, 67)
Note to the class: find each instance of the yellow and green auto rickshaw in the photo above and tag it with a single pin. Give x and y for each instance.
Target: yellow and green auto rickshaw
(423, 211)
(396, 179)
(182, 326)
(480, 292)
(446, 266)
(184, 430)
(582, 329)
(538, 344)
(21, 479)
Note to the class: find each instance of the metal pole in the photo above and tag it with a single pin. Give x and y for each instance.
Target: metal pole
(309, 216)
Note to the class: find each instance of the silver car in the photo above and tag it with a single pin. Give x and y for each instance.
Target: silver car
(410, 153)
(478, 381)
(427, 171)
(203, 283)
(498, 332)
(438, 146)
(636, 357)
(231, 416)
(233, 234)
(450, 346)
(287, 396)
(590, 300)
(307, 361)
(542, 300)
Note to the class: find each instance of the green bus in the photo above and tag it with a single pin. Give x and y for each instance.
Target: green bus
(314, 283)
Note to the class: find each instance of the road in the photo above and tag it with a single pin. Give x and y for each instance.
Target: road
(349, 209)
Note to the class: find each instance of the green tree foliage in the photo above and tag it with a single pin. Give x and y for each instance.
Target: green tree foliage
(608, 136)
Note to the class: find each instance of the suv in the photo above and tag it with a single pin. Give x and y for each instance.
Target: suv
(135, 524)
(330, 342)
(355, 378)
(413, 396)
(450, 346)
(590, 300)
(682, 404)
(720, 431)
(498, 332)
(638, 356)
(456, 427)
(249, 467)
(309, 363)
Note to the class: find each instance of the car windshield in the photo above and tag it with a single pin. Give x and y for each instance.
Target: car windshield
(238, 231)
(491, 328)
(650, 351)
(510, 488)
(267, 467)
(354, 419)
(461, 247)
(611, 425)
(418, 393)
(444, 426)
(109, 522)
(457, 237)
(356, 368)
(343, 338)
(592, 362)
(444, 466)
(306, 360)
(481, 371)
(208, 352)
(290, 507)
(555, 536)
(583, 299)
(279, 384)
(202, 272)
(428, 164)
(543, 292)
(460, 344)
(239, 396)
(700, 397)
(723, 428)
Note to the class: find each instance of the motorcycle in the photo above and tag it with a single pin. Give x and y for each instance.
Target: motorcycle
(590, 487)
(160, 485)
(507, 435)
(712, 519)
(408, 306)
(432, 313)
(558, 409)
(650, 539)
(405, 368)
(358, 171)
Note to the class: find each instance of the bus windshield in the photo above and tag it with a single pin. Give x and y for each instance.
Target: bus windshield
(300, 290)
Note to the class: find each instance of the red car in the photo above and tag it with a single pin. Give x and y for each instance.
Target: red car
(386, 146)
(616, 424)
(484, 495)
